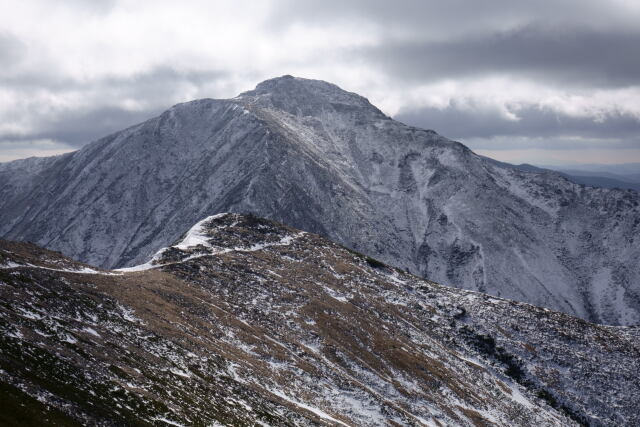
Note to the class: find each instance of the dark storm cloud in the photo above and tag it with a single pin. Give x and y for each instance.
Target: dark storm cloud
(159, 81)
(462, 122)
(419, 17)
(79, 127)
(564, 56)
(584, 42)
(158, 89)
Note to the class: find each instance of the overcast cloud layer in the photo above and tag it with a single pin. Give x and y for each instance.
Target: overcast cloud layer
(540, 82)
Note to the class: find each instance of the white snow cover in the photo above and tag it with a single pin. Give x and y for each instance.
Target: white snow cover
(10, 264)
(197, 236)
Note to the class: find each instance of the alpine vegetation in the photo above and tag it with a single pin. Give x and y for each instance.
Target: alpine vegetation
(244, 321)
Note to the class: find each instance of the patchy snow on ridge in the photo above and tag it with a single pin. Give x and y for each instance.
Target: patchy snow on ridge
(266, 325)
(199, 237)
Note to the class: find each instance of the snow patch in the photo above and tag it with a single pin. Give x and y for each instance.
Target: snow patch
(11, 265)
(168, 421)
(91, 331)
(309, 408)
(197, 236)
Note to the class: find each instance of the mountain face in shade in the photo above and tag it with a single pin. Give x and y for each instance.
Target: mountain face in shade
(247, 322)
(313, 156)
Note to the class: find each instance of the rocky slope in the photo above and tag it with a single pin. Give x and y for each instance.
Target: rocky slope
(313, 156)
(247, 322)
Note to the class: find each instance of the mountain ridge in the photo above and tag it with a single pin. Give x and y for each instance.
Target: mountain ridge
(310, 155)
(244, 321)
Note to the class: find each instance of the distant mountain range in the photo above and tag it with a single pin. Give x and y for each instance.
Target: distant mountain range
(623, 171)
(313, 156)
(243, 321)
(595, 177)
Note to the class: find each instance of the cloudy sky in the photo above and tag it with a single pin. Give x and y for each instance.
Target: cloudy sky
(544, 82)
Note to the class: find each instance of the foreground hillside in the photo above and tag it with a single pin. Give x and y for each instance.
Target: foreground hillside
(311, 155)
(247, 322)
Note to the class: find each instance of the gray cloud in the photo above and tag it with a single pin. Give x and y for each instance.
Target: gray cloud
(580, 42)
(78, 127)
(158, 80)
(158, 89)
(420, 17)
(462, 122)
(11, 50)
(538, 129)
(572, 143)
(93, 7)
(583, 57)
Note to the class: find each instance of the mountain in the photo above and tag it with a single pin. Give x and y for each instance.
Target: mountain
(311, 155)
(247, 322)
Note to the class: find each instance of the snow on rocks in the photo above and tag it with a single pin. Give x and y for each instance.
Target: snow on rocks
(197, 243)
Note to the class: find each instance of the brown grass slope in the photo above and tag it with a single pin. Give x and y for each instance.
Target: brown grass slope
(264, 325)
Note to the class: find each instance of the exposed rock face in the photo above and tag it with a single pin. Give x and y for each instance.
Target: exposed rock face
(313, 156)
(245, 321)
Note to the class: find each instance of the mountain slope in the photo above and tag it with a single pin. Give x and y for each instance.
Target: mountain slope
(308, 154)
(246, 321)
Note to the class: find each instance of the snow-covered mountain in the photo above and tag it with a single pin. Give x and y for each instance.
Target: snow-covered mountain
(247, 322)
(310, 155)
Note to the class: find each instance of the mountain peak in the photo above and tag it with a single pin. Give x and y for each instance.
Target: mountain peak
(302, 96)
(309, 154)
(290, 84)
